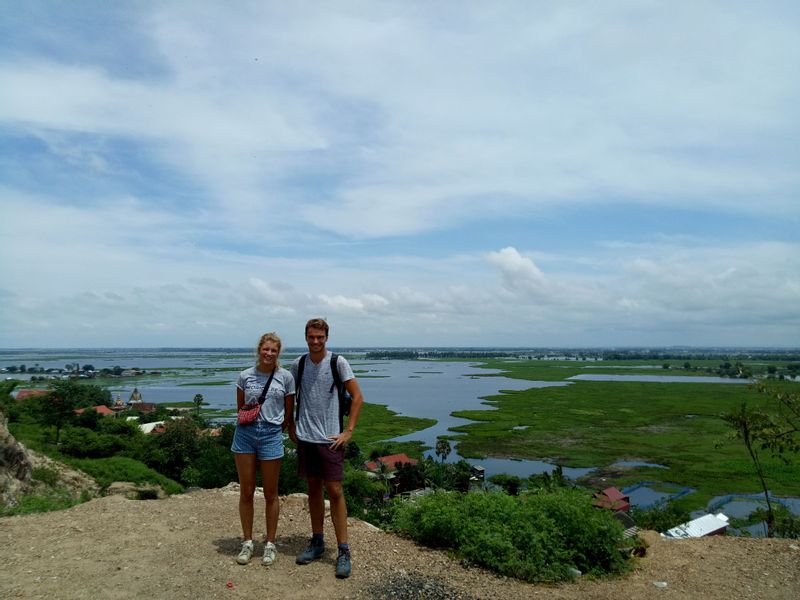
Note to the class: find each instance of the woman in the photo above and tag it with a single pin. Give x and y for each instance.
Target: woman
(261, 443)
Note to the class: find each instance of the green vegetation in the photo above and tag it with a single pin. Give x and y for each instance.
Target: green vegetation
(596, 423)
(378, 423)
(45, 502)
(660, 517)
(106, 471)
(112, 449)
(538, 537)
(773, 426)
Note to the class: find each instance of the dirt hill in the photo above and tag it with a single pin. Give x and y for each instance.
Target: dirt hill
(184, 547)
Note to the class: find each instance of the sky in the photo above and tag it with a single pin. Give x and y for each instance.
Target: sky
(515, 173)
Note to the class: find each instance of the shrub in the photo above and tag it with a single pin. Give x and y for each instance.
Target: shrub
(288, 480)
(660, 517)
(82, 443)
(121, 427)
(361, 490)
(509, 483)
(46, 475)
(106, 471)
(786, 524)
(52, 500)
(533, 537)
(214, 465)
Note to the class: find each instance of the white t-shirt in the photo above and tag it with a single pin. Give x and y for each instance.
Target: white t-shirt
(318, 415)
(252, 382)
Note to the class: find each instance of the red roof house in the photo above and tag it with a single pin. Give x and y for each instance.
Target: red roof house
(390, 462)
(612, 499)
(22, 394)
(100, 408)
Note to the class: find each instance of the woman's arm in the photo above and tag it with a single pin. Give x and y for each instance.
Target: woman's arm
(288, 416)
(239, 399)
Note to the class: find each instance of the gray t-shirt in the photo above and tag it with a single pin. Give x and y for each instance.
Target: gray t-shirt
(318, 415)
(252, 382)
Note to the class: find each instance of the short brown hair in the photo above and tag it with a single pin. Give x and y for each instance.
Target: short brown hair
(317, 323)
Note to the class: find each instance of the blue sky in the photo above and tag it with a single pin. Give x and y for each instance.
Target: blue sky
(455, 173)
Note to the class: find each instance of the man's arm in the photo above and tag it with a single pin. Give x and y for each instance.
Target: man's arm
(357, 399)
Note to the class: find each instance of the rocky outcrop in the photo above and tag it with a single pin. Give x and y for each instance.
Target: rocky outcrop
(74, 481)
(15, 467)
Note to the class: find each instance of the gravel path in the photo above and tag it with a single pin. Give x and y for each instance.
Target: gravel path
(184, 547)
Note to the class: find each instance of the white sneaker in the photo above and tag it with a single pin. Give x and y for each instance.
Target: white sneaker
(246, 553)
(270, 554)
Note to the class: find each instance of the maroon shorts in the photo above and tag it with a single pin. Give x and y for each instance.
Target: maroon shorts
(319, 460)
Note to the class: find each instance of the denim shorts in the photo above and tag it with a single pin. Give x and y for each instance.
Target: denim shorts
(262, 438)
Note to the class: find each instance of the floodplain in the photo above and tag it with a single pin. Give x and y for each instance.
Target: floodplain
(670, 434)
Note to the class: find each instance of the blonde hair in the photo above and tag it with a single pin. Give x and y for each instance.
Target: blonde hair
(270, 337)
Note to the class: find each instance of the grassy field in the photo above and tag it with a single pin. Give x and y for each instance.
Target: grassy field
(594, 424)
(378, 423)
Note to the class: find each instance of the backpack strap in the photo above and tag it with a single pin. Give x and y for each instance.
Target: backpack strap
(337, 379)
(297, 385)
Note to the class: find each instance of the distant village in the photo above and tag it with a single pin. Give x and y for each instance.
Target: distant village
(71, 371)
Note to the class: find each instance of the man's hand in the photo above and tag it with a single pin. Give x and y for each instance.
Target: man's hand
(339, 441)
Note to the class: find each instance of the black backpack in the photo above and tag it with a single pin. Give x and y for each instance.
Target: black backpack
(344, 396)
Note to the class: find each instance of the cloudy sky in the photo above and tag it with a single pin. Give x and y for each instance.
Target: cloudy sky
(528, 173)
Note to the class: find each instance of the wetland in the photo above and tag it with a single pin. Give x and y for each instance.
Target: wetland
(514, 415)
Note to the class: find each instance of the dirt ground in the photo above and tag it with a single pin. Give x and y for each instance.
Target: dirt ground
(185, 546)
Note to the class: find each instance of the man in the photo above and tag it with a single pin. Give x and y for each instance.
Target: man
(321, 439)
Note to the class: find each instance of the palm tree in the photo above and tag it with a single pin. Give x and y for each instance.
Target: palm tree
(443, 448)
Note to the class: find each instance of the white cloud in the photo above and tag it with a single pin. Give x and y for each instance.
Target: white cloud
(520, 274)
(230, 180)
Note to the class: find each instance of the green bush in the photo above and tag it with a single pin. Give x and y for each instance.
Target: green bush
(383, 514)
(106, 471)
(510, 483)
(289, 481)
(786, 524)
(214, 465)
(446, 476)
(361, 490)
(52, 500)
(660, 517)
(46, 475)
(533, 537)
(85, 443)
(129, 429)
(175, 449)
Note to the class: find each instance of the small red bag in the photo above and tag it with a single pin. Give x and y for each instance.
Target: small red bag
(249, 412)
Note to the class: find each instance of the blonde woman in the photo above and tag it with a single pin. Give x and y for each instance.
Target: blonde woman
(260, 444)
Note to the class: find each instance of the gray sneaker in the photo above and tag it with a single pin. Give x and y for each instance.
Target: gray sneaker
(270, 554)
(246, 553)
(312, 552)
(343, 564)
